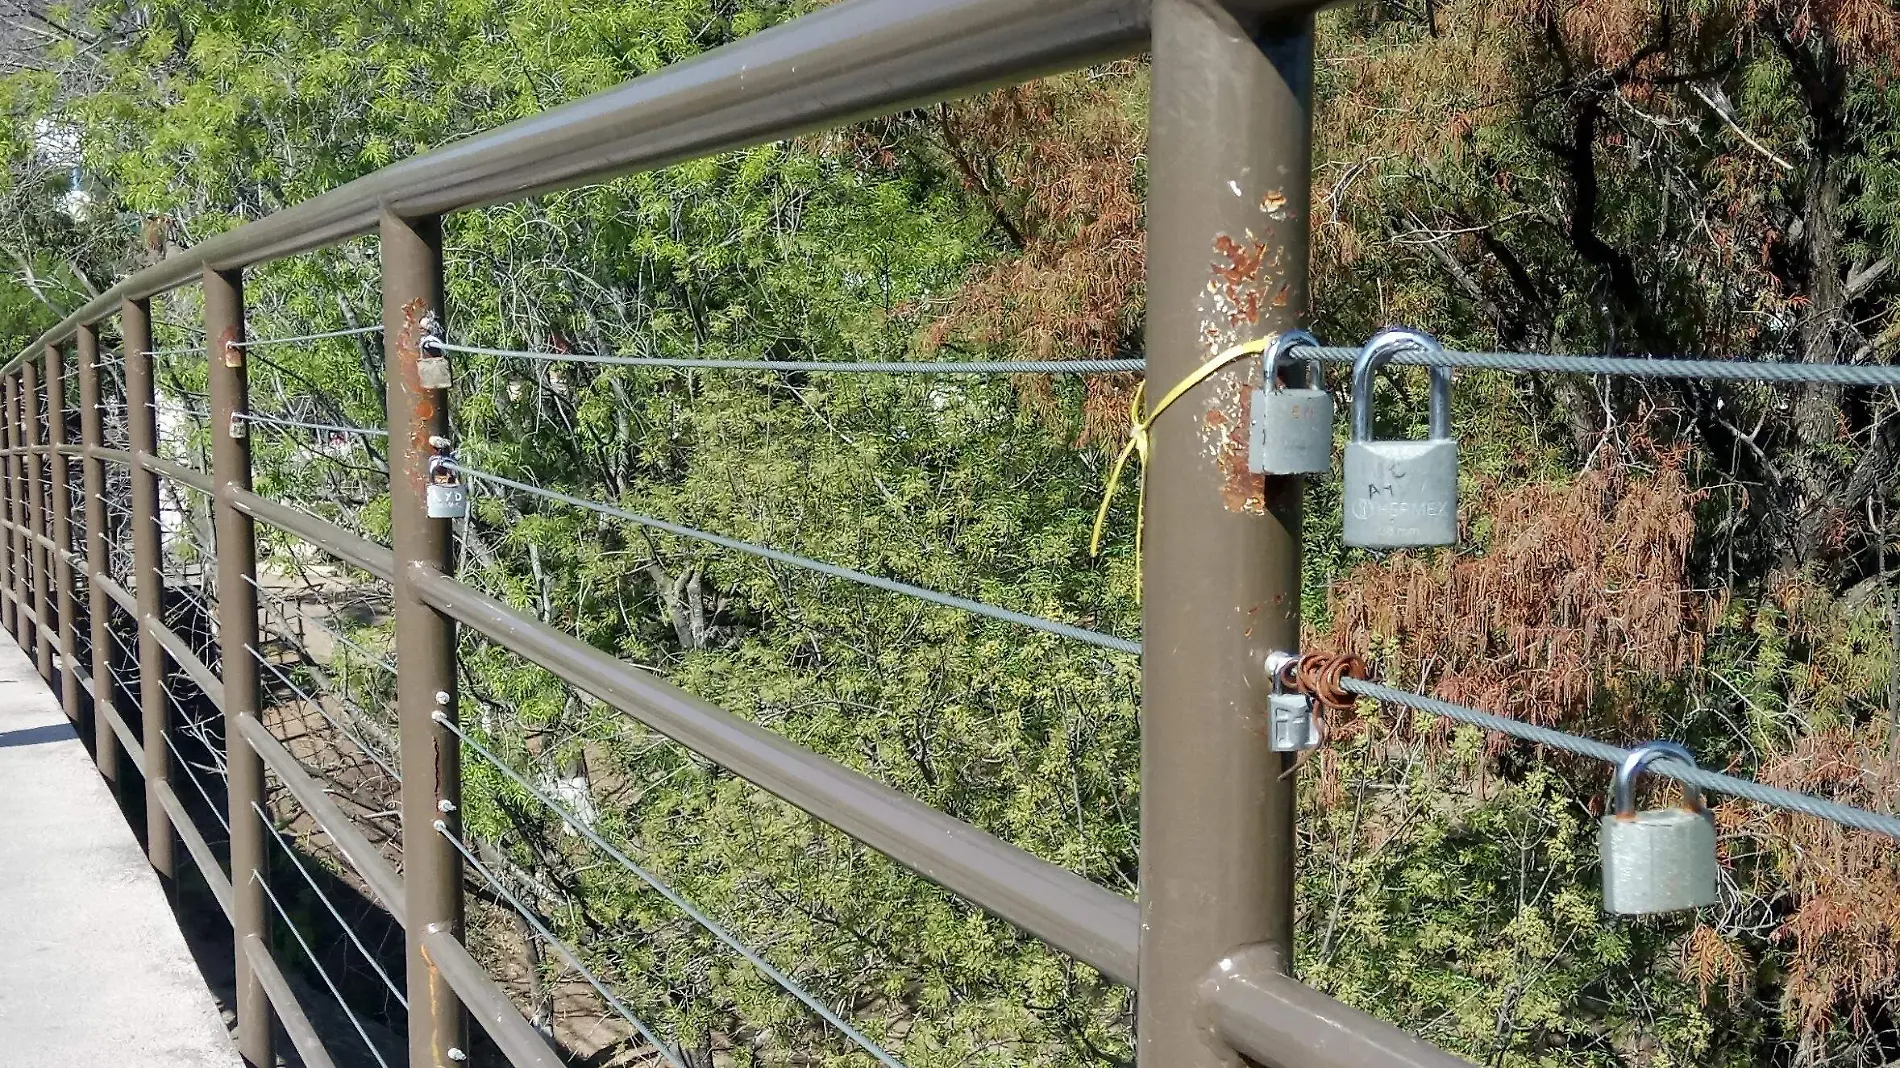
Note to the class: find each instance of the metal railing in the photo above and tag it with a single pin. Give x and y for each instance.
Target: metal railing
(1206, 946)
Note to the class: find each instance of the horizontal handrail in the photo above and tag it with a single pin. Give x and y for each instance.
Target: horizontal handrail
(1280, 1022)
(289, 1010)
(524, 1046)
(364, 857)
(319, 532)
(850, 61)
(195, 844)
(134, 749)
(181, 654)
(177, 472)
(1050, 902)
(119, 594)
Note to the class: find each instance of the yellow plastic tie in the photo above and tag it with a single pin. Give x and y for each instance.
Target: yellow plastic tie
(1138, 423)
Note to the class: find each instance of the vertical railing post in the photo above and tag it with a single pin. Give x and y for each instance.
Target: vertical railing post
(9, 617)
(237, 637)
(16, 514)
(425, 639)
(1229, 160)
(98, 607)
(36, 512)
(135, 319)
(62, 531)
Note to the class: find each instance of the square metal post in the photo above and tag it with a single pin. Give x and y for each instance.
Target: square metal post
(62, 531)
(425, 639)
(98, 608)
(237, 638)
(37, 518)
(1229, 158)
(141, 414)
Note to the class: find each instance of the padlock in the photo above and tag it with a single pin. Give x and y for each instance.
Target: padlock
(1400, 493)
(448, 500)
(1292, 724)
(447, 497)
(1656, 860)
(1292, 428)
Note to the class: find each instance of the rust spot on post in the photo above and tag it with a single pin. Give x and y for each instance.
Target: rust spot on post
(408, 354)
(227, 345)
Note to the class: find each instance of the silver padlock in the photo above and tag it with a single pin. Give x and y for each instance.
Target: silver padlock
(1292, 723)
(447, 496)
(1400, 493)
(1292, 428)
(1656, 860)
(448, 500)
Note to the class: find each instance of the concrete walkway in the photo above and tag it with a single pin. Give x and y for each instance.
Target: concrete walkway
(93, 970)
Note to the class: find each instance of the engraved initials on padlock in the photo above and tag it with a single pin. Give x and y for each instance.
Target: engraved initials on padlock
(446, 497)
(1292, 428)
(1400, 493)
(1657, 860)
(448, 500)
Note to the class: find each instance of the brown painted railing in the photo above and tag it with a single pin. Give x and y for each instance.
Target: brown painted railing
(1205, 947)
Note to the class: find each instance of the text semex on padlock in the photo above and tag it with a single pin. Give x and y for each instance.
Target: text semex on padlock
(1400, 493)
(1292, 428)
(1659, 859)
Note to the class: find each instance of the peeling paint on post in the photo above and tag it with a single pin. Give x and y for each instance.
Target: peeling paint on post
(1229, 151)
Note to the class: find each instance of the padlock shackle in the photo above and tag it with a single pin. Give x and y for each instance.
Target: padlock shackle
(1378, 352)
(1623, 786)
(1285, 343)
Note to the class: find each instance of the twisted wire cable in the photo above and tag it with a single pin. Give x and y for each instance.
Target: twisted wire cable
(202, 792)
(938, 367)
(573, 959)
(980, 608)
(1871, 375)
(361, 1032)
(711, 925)
(281, 601)
(348, 931)
(261, 342)
(1773, 796)
(325, 713)
(271, 420)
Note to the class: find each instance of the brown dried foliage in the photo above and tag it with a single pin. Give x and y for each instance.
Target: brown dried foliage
(1583, 588)
(1057, 163)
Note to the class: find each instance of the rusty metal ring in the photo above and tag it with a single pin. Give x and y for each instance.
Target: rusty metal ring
(1317, 675)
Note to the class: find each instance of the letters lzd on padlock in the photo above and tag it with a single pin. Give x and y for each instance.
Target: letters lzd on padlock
(1292, 432)
(1399, 494)
(1661, 859)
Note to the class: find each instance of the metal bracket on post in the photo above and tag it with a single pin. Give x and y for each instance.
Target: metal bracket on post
(1293, 724)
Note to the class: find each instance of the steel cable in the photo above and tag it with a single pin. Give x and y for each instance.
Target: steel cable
(573, 959)
(318, 965)
(321, 711)
(711, 925)
(348, 931)
(257, 343)
(282, 601)
(990, 611)
(940, 367)
(271, 420)
(1773, 796)
(1871, 375)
